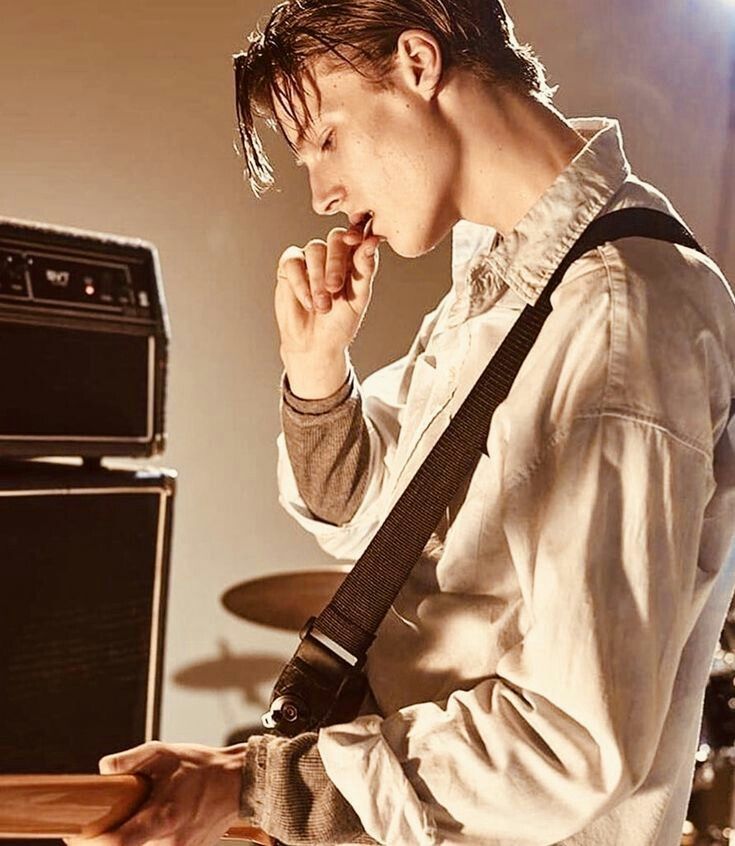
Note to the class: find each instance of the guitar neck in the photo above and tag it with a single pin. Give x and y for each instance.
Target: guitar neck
(41, 806)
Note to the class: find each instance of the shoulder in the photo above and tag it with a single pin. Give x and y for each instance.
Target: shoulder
(641, 328)
(672, 336)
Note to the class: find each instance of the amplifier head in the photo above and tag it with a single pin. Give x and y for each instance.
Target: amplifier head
(84, 338)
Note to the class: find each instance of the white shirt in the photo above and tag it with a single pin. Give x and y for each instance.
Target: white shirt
(542, 671)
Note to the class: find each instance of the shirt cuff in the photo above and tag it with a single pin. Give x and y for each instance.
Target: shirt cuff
(287, 793)
(253, 781)
(316, 406)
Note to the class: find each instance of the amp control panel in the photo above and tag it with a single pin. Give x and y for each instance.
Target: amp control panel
(63, 270)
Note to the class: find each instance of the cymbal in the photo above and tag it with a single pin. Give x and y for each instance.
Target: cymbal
(285, 600)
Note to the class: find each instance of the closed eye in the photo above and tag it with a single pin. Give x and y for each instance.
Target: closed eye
(327, 144)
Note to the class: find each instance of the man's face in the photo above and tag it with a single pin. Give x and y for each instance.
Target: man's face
(380, 151)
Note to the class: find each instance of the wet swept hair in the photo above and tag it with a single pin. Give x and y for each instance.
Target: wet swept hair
(476, 35)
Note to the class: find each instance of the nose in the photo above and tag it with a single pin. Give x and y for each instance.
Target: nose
(327, 194)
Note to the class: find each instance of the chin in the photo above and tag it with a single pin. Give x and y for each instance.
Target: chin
(415, 248)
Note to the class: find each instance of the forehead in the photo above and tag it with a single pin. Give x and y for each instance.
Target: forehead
(326, 90)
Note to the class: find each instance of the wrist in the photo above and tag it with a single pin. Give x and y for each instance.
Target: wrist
(314, 376)
(230, 773)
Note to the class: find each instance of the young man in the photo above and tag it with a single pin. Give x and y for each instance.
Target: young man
(539, 679)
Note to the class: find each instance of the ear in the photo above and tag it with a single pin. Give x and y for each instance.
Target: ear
(419, 62)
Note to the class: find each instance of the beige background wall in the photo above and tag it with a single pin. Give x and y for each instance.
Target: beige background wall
(118, 117)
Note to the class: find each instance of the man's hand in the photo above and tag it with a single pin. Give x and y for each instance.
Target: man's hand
(322, 293)
(194, 799)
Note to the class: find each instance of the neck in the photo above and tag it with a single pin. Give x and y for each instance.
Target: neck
(511, 151)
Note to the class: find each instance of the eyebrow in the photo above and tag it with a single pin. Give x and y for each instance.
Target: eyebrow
(299, 143)
(298, 147)
(301, 134)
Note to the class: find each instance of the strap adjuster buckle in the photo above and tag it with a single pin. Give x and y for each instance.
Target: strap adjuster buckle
(312, 683)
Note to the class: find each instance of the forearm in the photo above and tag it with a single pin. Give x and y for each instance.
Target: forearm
(329, 450)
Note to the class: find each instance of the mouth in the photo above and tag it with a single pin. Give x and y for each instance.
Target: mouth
(360, 220)
(363, 223)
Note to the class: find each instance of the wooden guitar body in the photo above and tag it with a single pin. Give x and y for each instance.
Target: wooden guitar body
(40, 806)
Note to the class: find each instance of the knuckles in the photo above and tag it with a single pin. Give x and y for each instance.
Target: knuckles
(301, 267)
(295, 253)
(290, 254)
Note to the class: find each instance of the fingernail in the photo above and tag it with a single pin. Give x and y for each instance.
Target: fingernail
(323, 301)
(309, 303)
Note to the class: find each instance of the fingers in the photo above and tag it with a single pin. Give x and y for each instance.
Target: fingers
(365, 263)
(152, 822)
(316, 272)
(365, 255)
(192, 800)
(141, 758)
(292, 273)
(366, 258)
(338, 256)
(315, 253)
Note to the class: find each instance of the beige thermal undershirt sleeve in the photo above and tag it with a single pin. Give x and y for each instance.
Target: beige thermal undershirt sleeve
(285, 789)
(287, 794)
(329, 449)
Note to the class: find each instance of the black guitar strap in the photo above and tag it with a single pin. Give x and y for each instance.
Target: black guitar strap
(313, 687)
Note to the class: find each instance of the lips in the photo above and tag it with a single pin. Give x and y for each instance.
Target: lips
(358, 218)
(362, 222)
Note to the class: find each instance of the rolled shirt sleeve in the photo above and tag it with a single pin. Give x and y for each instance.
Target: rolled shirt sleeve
(603, 531)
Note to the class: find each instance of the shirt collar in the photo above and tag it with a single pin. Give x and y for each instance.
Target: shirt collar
(484, 263)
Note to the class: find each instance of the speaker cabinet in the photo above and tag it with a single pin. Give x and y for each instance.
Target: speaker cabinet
(84, 555)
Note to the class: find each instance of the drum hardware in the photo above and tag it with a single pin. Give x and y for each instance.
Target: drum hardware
(710, 806)
(713, 836)
(723, 662)
(717, 736)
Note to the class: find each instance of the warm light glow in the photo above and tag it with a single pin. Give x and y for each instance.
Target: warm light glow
(703, 752)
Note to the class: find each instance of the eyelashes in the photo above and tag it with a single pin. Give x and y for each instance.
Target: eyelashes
(327, 145)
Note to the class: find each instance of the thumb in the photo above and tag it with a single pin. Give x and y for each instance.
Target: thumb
(132, 760)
